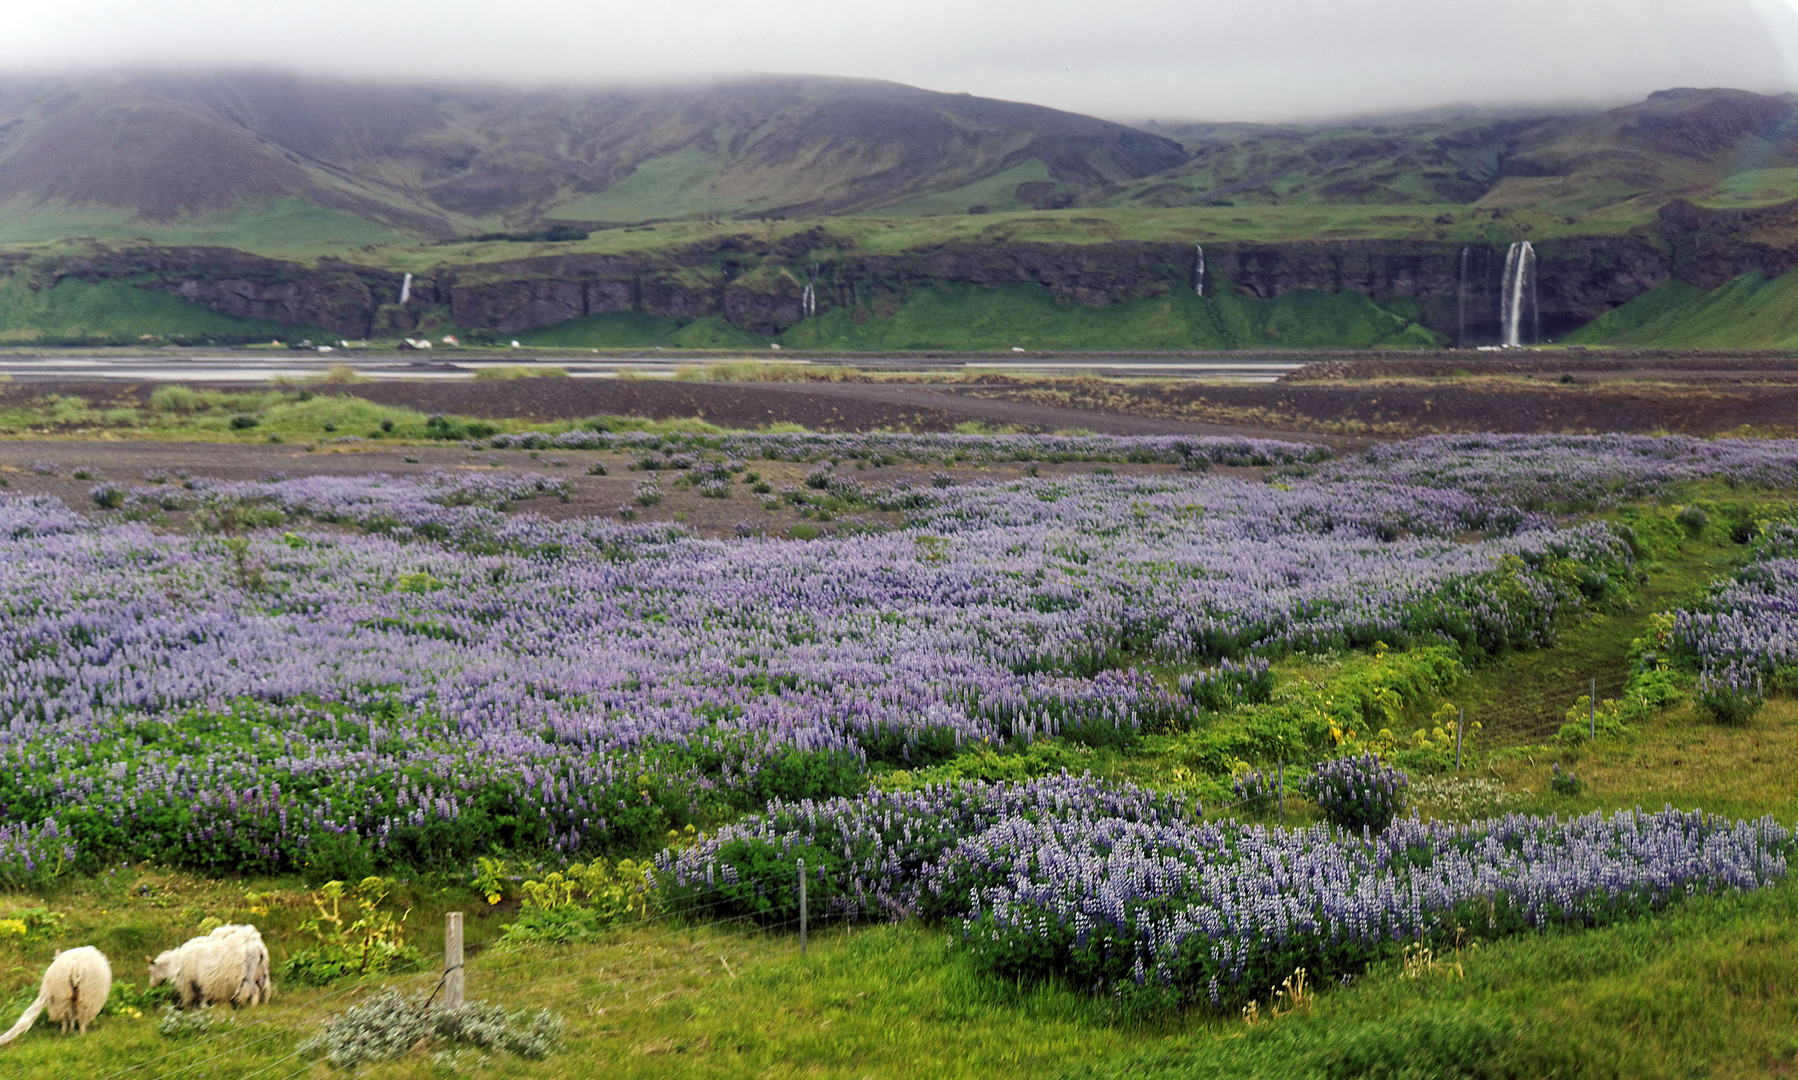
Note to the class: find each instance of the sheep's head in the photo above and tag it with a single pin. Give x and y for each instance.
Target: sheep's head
(163, 967)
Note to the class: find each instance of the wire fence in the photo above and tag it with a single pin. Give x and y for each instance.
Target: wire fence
(1531, 715)
(496, 970)
(549, 975)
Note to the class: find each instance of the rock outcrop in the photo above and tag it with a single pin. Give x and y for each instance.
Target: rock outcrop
(757, 284)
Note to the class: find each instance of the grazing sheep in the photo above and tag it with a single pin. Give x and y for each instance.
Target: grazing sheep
(257, 986)
(228, 965)
(74, 991)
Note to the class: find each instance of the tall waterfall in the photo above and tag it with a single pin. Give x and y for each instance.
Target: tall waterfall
(1519, 291)
(405, 290)
(808, 301)
(1461, 299)
(1198, 269)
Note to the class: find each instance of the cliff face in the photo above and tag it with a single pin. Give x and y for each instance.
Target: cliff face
(758, 286)
(1709, 247)
(1578, 280)
(332, 295)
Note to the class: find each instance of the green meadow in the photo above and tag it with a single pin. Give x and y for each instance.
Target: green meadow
(1704, 988)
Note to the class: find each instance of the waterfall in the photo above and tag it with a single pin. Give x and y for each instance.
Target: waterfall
(405, 290)
(1520, 273)
(808, 301)
(1198, 269)
(1461, 299)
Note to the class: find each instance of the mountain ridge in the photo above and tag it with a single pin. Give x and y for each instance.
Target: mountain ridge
(439, 161)
(138, 155)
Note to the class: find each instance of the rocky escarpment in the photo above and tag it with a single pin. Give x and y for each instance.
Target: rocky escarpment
(1578, 280)
(759, 284)
(331, 295)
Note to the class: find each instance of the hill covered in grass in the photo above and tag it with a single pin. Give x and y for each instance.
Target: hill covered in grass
(306, 166)
(180, 152)
(705, 216)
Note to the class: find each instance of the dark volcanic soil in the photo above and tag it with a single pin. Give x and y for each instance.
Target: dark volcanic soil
(1340, 400)
(71, 470)
(819, 406)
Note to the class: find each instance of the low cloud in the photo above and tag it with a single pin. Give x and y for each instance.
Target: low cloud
(1171, 59)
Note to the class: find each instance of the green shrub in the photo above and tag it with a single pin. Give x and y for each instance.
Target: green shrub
(177, 399)
(1562, 782)
(371, 943)
(582, 902)
(1357, 793)
(1731, 705)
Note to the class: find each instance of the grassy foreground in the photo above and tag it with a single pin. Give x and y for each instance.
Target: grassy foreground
(1709, 988)
(1706, 989)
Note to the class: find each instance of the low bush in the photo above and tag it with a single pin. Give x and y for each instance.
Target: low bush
(388, 1025)
(1357, 793)
(1563, 782)
(582, 902)
(1254, 793)
(372, 942)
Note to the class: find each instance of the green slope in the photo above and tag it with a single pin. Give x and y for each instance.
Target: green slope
(75, 311)
(676, 185)
(1028, 316)
(1750, 312)
(996, 192)
(625, 330)
(287, 228)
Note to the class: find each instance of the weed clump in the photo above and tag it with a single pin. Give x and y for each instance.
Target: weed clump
(582, 902)
(371, 942)
(388, 1025)
(1563, 782)
(184, 1023)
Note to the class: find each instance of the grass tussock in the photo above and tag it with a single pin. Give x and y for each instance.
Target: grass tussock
(519, 371)
(766, 371)
(287, 414)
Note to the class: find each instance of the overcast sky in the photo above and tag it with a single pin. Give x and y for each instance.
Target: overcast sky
(1126, 59)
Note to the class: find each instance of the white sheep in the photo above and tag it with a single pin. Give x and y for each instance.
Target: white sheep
(74, 991)
(228, 965)
(257, 986)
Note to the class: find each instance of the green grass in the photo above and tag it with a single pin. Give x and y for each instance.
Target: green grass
(289, 227)
(677, 185)
(997, 192)
(1749, 312)
(520, 371)
(881, 232)
(1700, 990)
(1756, 187)
(1029, 316)
(1707, 988)
(183, 413)
(627, 330)
(73, 310)
(1522, 696)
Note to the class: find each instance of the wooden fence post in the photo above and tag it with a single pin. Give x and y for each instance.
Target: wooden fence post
(452, 960)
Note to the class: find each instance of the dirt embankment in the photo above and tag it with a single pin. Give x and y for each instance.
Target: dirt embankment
(1340, 401)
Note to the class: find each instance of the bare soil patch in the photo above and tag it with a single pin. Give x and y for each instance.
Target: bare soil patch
(71, 470)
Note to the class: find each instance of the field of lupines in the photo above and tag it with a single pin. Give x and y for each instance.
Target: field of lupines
(1117, 888)
(1744, 636)
(447, 676)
